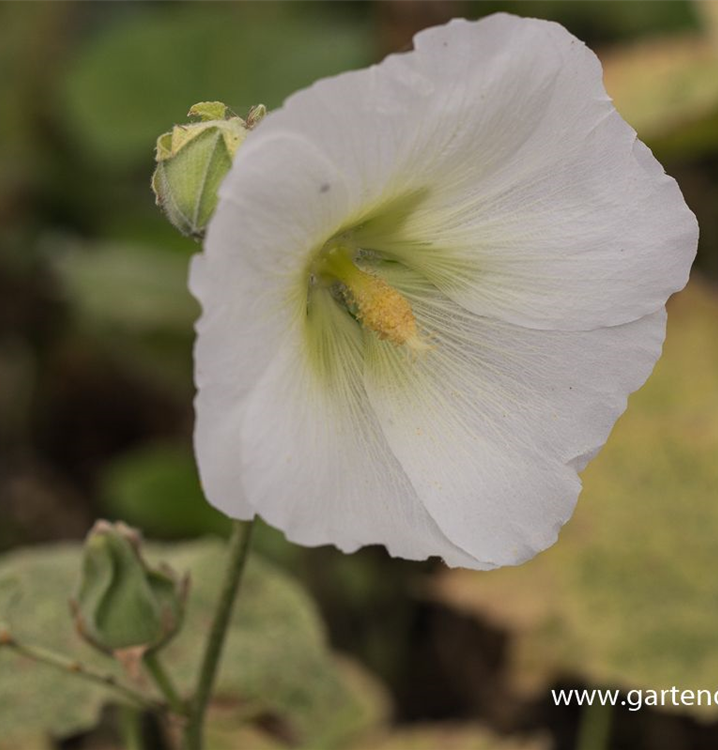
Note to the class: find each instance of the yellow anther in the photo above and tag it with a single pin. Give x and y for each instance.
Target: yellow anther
(378, 306)
(385, 311)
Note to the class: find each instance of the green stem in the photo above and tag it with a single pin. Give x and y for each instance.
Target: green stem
(594, 731)
(44, 656)
(236, 559)
(131, 728)
(165, 684)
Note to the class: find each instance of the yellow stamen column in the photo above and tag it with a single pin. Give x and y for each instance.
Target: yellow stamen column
(379, 307)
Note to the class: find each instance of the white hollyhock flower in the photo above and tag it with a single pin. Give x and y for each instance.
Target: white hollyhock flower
(428, 289)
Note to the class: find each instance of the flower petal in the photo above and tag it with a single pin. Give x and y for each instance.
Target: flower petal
(251, 284)
(493, 424)
(258, 398)
(314, 461)
(492, 160)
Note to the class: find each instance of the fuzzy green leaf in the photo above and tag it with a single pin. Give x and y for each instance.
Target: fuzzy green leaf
(276, 659)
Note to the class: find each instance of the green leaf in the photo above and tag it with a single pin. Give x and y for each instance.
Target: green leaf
(135, 79)
(228, 727)
(224, 732)
(276, 657)
(628, 596)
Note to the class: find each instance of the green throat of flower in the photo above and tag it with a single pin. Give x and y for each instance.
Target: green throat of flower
(376, 305)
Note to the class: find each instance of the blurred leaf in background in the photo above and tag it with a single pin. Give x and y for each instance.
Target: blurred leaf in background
(31, 38)
(629, 596)
(450, 736)
(133, 300)
(667, 87)
(34, 742)
(276, 661)
(130, 82)
(156, 488)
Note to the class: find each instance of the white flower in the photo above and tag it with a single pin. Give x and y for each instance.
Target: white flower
(428, 290)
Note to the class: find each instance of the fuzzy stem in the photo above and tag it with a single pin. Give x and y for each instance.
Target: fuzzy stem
(70, 666)
(165, 684)
(236, 559)
(131, 728)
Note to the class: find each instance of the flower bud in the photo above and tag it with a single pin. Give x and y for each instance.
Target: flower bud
(123, 603)
(192, 161)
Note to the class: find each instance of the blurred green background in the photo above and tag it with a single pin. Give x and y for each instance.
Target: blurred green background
(96, 410)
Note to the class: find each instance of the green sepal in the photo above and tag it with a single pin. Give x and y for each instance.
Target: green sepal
(209, 111)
